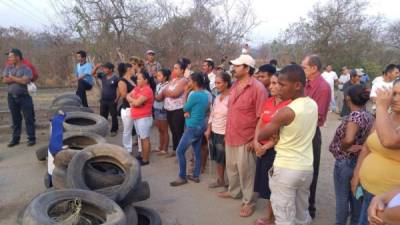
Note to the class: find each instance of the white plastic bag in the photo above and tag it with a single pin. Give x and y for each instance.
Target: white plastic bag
(32, 88)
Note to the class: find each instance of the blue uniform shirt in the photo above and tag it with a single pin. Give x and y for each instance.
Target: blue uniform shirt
(84, 70)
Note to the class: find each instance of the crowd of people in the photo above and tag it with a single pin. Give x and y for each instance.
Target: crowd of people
(260, 125)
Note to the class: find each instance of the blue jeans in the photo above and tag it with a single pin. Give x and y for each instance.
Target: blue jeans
(346, 203)
(191, 136)
(17, 104)
(367, 198)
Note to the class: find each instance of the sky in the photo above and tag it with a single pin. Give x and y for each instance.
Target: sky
(274, 15)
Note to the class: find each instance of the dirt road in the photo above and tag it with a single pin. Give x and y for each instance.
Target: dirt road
(21, 178)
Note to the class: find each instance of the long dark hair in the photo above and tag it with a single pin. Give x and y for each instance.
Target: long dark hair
(201, 79)
(166, 73)
(149, 79)
(123, 68)
(359, 95)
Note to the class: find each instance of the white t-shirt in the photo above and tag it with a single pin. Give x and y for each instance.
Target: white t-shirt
(211, 77)
(343, 79)
(377, 79)
(330, 77)
(379, 84)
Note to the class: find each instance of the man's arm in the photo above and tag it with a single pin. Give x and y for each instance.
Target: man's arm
(323, 100)
(283, 118)
(94, 71)
(20, 80)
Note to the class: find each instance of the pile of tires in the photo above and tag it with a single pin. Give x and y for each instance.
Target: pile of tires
(67, 102)
(105, 179)
(82, 127)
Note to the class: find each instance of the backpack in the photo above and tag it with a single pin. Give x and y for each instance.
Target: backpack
(35, 74)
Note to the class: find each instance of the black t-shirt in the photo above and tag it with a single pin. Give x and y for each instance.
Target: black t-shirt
(129, 87)
(109, 86)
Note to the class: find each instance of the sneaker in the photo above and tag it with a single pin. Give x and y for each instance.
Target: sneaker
(113, 134)
(178, 182)
(12, 144)
(31, 143)
(139, 157)
(194, 179)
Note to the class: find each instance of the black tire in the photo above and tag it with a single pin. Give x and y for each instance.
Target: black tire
(131, 215)
(46, 180)
(80, 140)
(41, 152)
(59, 178)
(67, 102)
(140, 193)
(85, 122)
(103, 174)
(53, 110)
(74, 140)
(106, 153)
(94, 205)
(147, 216)
(66, 97)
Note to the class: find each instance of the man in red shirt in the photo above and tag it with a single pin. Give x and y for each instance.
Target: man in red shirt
(245, 107)
(319, 90)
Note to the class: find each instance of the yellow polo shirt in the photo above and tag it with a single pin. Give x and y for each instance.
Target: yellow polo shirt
(294, 148)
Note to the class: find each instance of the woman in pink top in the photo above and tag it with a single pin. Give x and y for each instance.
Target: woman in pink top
(141, 100)
(215, 132)
(174, 99)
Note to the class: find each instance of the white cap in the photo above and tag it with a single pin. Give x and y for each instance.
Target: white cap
(244, 60)
(209, 60)
(150, 52)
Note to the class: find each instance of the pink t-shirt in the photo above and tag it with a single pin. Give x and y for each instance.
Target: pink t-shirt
(218, 115)
(145, 110)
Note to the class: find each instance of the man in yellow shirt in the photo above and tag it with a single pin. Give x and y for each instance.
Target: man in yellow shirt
(292, 172)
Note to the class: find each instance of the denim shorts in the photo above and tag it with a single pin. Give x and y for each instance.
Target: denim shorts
(160, 114)
(143, 126)
(217, 148)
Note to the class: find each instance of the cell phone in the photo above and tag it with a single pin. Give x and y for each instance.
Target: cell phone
(359, 192)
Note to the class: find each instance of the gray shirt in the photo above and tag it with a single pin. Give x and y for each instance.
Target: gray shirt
(21, 71)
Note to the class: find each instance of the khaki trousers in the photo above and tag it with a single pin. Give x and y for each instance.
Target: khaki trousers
(241, 170)
(290, 190)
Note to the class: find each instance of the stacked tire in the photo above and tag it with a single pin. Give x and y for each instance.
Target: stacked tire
(105, 178)
(67, 102)
(93, 182)
(80, 122)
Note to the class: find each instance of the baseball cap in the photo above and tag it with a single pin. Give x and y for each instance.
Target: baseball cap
(209, 60)
(15, 51)
(150, 52)
(355, 72)
(244, 60)
(108, 65)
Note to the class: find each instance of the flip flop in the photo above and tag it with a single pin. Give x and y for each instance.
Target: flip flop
(246, 211)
